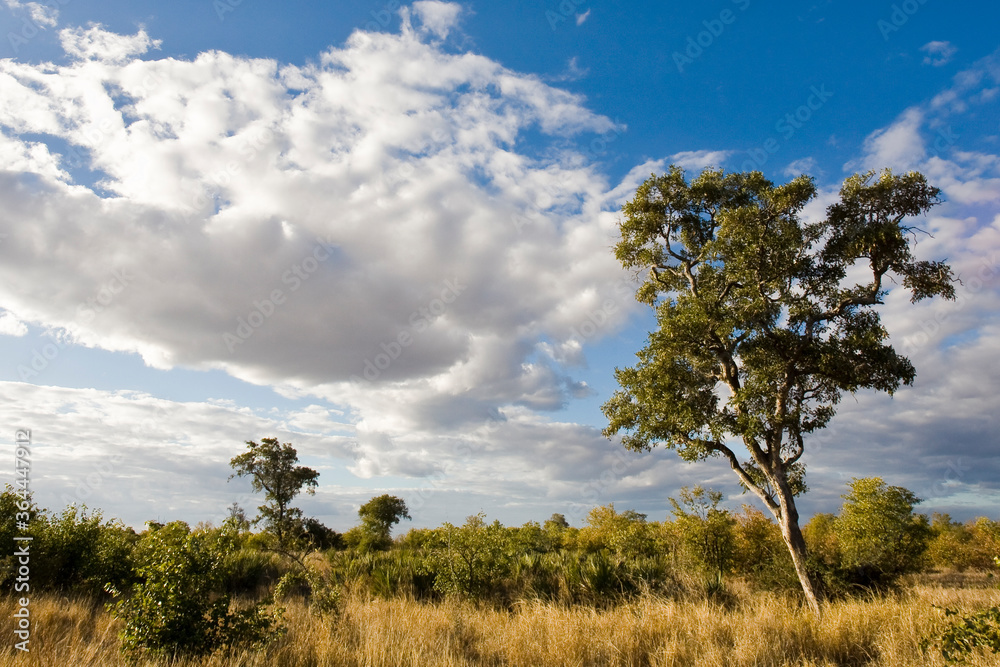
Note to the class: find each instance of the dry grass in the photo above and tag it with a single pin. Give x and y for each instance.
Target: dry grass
(756, 630)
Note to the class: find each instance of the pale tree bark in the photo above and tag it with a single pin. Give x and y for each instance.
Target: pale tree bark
(788, 520)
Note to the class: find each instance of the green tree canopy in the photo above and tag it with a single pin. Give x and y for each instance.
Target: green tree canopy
(272, 469)
(878, 532)
(378, 516)
(760, 329)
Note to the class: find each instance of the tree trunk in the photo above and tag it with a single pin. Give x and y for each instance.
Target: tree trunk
(792, 534)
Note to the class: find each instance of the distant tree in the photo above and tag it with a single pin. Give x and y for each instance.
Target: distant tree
(237, 518)
(624, 533)
(760, 325)
(880, 537)
(378, 516)
(556, 522)
(707, 530)
(554, 531)
(272, 469)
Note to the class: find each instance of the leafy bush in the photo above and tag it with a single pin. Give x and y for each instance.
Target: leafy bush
(707, 531)
(178, 608)
(624, 533)
(474, 558)
(880, 537)
(321, 593)
(760, 554)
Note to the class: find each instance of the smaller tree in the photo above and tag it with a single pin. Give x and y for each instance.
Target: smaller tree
(378, 516)
(272, 468)
(707, 530)
(879, 535)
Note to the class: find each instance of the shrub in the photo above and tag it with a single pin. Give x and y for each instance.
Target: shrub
(707, 531)
(760, 554)
(474, 559)
(880, 537)
(177, 608)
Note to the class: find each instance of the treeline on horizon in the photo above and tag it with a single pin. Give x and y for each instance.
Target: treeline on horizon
(874, 540)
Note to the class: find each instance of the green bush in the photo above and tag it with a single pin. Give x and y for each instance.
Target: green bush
(474, 559)
(880, 537)
(707, 532)
(178, 608)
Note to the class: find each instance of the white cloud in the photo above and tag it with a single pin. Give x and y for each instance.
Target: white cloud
(901, 145)
(806, 165)
(11, 326)
(698, 160)
(300, 226)
(938, 53)
(436, 16)
(580, 18)
(41, 14)
(96, 43)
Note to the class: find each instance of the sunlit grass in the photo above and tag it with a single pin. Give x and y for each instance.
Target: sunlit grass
(752, 629)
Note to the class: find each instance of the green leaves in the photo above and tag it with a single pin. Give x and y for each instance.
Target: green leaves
(177, 608)
(878, 532)
(271, 468)
(474, 558)
(759, 330)
(758, 333)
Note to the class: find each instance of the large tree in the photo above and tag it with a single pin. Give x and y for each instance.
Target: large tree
(764, 319)
(272, 469)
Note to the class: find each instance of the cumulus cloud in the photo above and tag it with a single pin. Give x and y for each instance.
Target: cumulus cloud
(698, 160)
(938, 53)
(371, 233)
(96, 43)
(41, 14)
(940, 432)
(806, 165)
(367, 229)
(436, 16)
(11, 326)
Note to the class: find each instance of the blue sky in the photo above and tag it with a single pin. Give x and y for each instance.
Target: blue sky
(219, 213)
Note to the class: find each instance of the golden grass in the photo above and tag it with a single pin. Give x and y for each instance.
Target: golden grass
(755, 630)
